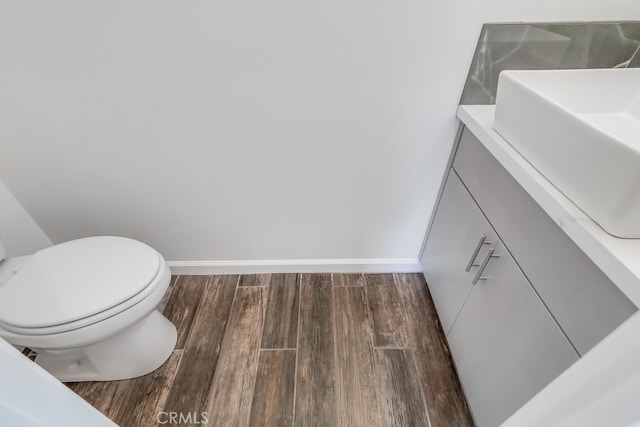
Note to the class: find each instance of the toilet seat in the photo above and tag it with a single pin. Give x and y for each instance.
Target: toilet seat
(88, 280)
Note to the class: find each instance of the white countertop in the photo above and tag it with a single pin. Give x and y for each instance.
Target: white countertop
(618, 258)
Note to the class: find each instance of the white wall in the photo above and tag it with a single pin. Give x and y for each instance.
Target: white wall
(240, 130)
(19, 234)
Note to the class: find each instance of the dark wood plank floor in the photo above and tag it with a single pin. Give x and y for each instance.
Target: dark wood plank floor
(295, 349)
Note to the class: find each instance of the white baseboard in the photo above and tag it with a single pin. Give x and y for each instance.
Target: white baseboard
(387, 265)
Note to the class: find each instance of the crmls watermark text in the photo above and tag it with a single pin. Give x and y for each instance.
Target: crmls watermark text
(182, 418)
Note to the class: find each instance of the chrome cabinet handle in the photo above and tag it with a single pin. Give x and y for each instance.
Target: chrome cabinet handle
(483, 241)
(479, 276)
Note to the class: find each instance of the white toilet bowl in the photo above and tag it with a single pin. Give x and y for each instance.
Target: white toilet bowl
(88, 308)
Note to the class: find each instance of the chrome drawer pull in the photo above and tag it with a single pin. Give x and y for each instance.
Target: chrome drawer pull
(483, 241)
(479, 276)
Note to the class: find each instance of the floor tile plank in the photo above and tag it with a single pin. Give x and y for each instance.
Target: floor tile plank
(281, 320)
(398, 389)
(254, 280)
(273, 395)
(387, 312)
(335, 376)
(234, 381)
(99, 394)
(341, 279)
(441, 388)
(139, 401)
(181, 302)
(357, 398)
(190, 390)
(315, 403)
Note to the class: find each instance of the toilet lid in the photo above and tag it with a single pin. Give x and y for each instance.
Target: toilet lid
(77, 279)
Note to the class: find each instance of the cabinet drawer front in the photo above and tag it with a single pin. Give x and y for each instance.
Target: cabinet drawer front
(505, 344)
(455, 241)
(585, 303)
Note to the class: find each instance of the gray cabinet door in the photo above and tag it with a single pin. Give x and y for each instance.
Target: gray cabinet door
(584, 302)
(505, 344)
(455, 234)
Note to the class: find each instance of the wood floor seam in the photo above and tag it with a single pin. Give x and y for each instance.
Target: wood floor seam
(392, 348)
(335, 340)
(295, 377)
(255, 374)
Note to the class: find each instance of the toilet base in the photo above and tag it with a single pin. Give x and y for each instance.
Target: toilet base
(132, 352)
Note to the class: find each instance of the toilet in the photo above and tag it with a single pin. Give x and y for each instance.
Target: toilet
(87, 307)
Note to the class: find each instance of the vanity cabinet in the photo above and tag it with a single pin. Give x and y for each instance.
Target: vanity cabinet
(461, 237)
(518, 300)
(505, 343)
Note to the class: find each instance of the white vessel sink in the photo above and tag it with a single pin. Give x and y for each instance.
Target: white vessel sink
(581, 130)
